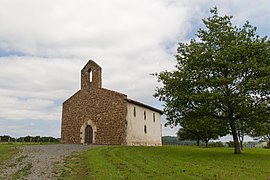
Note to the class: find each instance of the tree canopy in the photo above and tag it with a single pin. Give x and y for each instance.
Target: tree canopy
(201, 130)
(224, 74)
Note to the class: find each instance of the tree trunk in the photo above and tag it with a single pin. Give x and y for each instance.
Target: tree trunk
(206, 143)
(241, 139)
(198, 142)
(234, 134)
(241, 145)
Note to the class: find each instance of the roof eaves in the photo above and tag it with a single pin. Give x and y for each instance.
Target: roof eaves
(145, 105)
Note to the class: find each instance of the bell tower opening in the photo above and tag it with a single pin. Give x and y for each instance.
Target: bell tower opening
(91, 76)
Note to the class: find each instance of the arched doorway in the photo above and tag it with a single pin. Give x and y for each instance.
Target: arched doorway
(88, 139)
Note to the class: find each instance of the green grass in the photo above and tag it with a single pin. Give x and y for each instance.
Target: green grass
(6, 152)
(168, 162)
(74, 168)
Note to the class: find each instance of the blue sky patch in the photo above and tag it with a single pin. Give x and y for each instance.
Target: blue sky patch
(4, 53)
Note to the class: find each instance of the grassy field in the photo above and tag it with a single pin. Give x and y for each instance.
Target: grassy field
(6, 152)
(168, 162)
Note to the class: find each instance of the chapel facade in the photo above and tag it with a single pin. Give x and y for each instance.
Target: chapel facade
(95, 115)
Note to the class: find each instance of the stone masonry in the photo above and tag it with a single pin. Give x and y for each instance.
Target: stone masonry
(103, 109)
(99, 116)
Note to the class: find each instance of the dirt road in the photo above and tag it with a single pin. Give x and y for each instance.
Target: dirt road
(39, 161)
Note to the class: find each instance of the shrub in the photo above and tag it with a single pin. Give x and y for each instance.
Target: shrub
(230, 144)
(216, 144)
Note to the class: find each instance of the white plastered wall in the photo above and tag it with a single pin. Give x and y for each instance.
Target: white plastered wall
(135, 126)
(82, 130)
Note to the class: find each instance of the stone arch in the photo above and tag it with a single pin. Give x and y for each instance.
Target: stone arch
(82, 131)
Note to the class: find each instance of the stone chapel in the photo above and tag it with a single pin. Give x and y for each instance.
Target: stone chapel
(95, 115)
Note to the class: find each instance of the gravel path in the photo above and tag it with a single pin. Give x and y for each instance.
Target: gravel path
(39, 161)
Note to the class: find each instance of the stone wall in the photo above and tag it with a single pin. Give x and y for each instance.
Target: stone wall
(103, 109)
(109, 113)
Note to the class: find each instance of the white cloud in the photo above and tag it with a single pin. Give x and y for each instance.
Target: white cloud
(76, 28)
(34, 74)
(27, 104)
(128, 39)
(13, 108)
(17, 128)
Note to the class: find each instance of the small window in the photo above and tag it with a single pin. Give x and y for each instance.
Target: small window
(154, 117)
(145, 129)
(90, 75)
(134, 112)
(144, 113)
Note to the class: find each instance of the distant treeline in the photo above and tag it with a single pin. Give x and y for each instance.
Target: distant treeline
(172, 140)
(7, 138)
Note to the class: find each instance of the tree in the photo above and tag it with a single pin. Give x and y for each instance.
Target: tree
(188, 134)
(262, 129)
(201, 130)
(7, 138)
(224, 74)
(243, 129)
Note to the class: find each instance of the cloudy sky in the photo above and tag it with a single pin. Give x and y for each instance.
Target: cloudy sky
(44, 44)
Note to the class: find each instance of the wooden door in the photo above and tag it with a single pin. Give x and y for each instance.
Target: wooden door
(88, 135)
